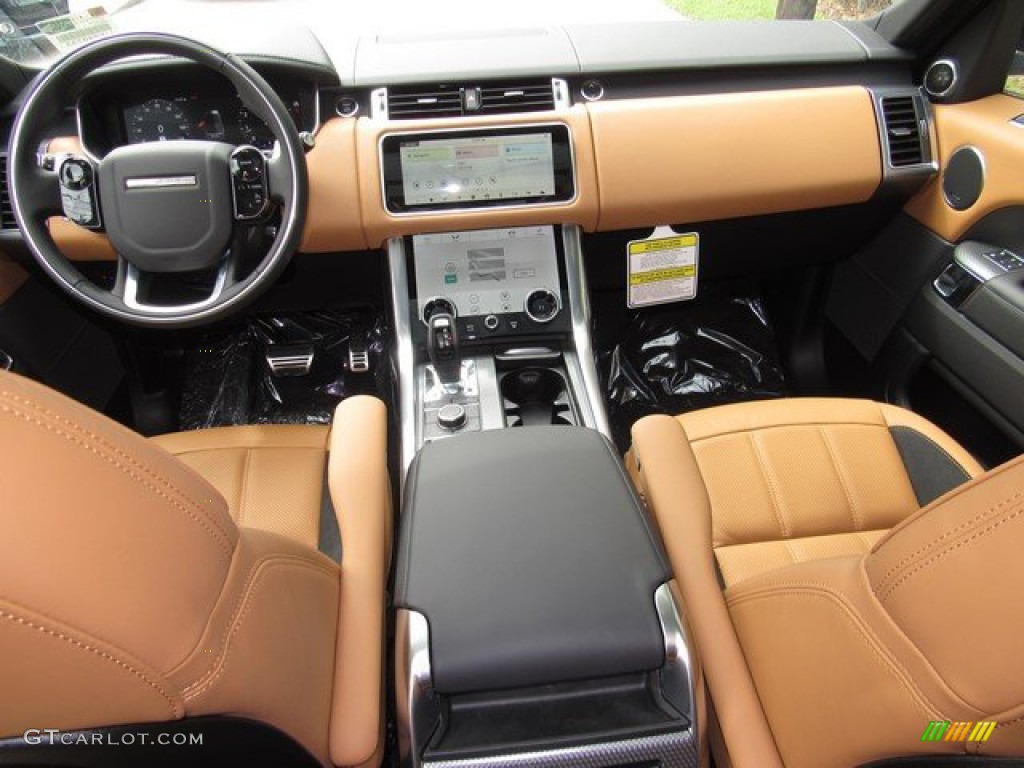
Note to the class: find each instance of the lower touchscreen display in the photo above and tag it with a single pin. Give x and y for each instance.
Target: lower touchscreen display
(479, 168)
(518, 165)
(488, 271)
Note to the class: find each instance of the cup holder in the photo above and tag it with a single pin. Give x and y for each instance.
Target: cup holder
(536, 397)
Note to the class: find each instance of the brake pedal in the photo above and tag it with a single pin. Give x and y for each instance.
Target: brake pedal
(290, 359)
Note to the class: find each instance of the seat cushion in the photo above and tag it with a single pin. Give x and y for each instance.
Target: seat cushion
(272, 476)
(802, 479)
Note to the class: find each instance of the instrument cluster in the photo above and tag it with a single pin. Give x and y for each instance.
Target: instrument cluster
(182, 104)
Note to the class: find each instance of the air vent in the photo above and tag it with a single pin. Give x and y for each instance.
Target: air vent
(407, 103)
(7, 220)
(410, 104)
(902, 130)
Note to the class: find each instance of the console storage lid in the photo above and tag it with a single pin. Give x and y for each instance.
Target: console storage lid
(531, 559)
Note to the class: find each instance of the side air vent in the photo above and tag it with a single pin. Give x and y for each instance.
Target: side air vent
(457, 100)
(902, 124)
(6, 211)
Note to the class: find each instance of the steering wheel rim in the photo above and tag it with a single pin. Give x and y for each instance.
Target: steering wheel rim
(35, 195)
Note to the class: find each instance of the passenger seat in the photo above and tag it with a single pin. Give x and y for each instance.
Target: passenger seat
(833, 619)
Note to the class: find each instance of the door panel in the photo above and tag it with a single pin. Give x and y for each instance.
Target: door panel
(987, 125)
(971, 318)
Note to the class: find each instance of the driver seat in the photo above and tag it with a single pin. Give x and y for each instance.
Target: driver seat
(139, 587)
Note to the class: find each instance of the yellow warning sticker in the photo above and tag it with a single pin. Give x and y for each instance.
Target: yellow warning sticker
(662, 268)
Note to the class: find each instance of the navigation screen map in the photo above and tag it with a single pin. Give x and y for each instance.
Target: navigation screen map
(461, 169)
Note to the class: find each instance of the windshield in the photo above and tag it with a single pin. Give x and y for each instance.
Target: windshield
(36, 31)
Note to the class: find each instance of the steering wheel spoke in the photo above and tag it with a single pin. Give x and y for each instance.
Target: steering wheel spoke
(132, 283)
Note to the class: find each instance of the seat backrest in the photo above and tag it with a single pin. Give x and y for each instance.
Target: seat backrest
(951, 576)
(129, 595)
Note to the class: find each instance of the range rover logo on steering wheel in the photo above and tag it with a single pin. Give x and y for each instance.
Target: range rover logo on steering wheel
(149, 182)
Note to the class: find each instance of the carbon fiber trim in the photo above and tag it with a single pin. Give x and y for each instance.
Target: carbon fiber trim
(677, 749)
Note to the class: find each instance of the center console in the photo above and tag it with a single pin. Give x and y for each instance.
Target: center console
(537, 624)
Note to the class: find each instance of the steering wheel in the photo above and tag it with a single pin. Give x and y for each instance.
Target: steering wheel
(167, 207)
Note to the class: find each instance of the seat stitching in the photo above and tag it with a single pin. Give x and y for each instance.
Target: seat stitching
(250, 600)
(808, 424)
(858, 522)
(951, 532)
(254, 572)
(951, 548)
(18, 619)
(772, 491)
(128, 458)
(222, 541)
(823, 592)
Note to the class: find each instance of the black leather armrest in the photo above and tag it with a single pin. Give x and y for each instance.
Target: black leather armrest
(531, 558)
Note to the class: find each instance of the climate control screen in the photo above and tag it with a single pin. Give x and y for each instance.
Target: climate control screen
(488, 271)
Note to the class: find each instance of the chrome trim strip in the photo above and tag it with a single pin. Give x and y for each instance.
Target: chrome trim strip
(131, 292)
(152, 182)
(560, 93)
(379, 104)
(579, 311)
(680, 674)
(416, 703)
(405, 359)
(459, 207)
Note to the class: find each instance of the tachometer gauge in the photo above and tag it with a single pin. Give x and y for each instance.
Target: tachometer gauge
(156, 120)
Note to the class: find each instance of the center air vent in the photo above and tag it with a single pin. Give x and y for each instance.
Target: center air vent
(7, 220)
(902, 123)
(457, 100)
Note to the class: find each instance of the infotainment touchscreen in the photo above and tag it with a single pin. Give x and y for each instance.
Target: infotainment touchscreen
(477, 168)
(488, 271)
(462, 170)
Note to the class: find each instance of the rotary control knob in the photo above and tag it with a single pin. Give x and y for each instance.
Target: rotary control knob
(451, 417)
(437, 306)
(542, 305)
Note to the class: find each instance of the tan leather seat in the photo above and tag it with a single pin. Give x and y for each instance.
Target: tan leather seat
(827, 636)
(134, 592)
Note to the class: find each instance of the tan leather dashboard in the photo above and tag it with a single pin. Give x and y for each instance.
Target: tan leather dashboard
(639, 162)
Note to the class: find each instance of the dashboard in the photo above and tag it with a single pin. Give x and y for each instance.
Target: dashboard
(430, 138)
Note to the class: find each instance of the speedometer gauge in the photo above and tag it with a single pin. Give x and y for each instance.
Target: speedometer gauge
(156, 120)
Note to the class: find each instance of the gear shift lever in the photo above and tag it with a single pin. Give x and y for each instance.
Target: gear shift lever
(443, 348)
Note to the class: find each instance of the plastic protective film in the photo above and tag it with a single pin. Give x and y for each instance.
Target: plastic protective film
(229, 378)
(680, 357)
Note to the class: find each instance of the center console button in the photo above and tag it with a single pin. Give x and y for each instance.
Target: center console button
(491, 322)
(451, 417)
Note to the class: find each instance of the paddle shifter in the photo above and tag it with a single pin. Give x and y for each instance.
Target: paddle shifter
(443, 348)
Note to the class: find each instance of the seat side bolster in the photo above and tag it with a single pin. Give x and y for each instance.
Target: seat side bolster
(671, 482)
(361, 494)
(901, 417)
